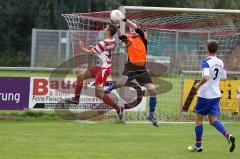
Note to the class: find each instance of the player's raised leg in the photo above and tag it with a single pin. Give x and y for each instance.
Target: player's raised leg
(213, 120)
(78, 87)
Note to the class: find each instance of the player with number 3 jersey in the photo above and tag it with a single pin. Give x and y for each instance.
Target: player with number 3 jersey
(208, 102)
(214, 68)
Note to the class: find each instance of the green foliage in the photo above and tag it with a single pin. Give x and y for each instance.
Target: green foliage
(34, 113)
(27, 115)
(18, 59)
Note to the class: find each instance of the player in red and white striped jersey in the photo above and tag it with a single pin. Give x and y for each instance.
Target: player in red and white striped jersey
(103, 50)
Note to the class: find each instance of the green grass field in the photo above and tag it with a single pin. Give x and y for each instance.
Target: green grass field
(107, 140)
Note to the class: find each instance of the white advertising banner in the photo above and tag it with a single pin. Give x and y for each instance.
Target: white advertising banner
(46, 92)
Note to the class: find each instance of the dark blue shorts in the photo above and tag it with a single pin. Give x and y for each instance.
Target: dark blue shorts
(208, 106)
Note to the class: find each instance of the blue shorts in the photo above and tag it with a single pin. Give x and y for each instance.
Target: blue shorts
(208, 106)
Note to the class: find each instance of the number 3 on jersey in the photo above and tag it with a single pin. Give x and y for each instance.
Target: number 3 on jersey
(216, 73)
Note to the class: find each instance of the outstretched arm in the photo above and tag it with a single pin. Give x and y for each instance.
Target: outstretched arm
(85, 50)
(130, 23)
(134, 26)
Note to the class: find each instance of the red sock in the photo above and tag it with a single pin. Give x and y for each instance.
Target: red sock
(78, 89)
(108, 100)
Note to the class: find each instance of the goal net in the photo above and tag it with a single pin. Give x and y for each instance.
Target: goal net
(177, 39)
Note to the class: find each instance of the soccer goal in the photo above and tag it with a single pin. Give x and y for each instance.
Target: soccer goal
(177, 40)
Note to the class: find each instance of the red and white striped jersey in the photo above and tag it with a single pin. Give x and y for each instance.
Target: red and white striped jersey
(103, 50)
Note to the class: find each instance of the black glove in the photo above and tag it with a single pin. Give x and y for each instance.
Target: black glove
(123, 38)
(125, 19)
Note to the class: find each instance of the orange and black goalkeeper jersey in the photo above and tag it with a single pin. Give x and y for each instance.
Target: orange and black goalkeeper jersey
(137, 47)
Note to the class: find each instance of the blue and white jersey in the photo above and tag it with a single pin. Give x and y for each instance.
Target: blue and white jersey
(214, 68)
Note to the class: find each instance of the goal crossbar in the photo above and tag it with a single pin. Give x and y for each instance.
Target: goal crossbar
(171, 9)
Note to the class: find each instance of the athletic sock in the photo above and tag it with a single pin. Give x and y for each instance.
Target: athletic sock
(78, 89)
(152, 105)
(108, 100)
(220, 127)
(111, 87)
(198, 133)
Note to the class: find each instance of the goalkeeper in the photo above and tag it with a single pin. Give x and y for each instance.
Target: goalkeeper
(135, 67)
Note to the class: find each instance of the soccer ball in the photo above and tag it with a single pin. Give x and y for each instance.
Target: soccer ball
(116, 16)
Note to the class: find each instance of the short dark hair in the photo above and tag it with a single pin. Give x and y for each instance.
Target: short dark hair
(112, 28)
(212, 46)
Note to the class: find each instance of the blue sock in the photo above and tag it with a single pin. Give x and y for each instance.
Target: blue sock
(111, 87)
(152, 104)
(198, 132)
(220, 127)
